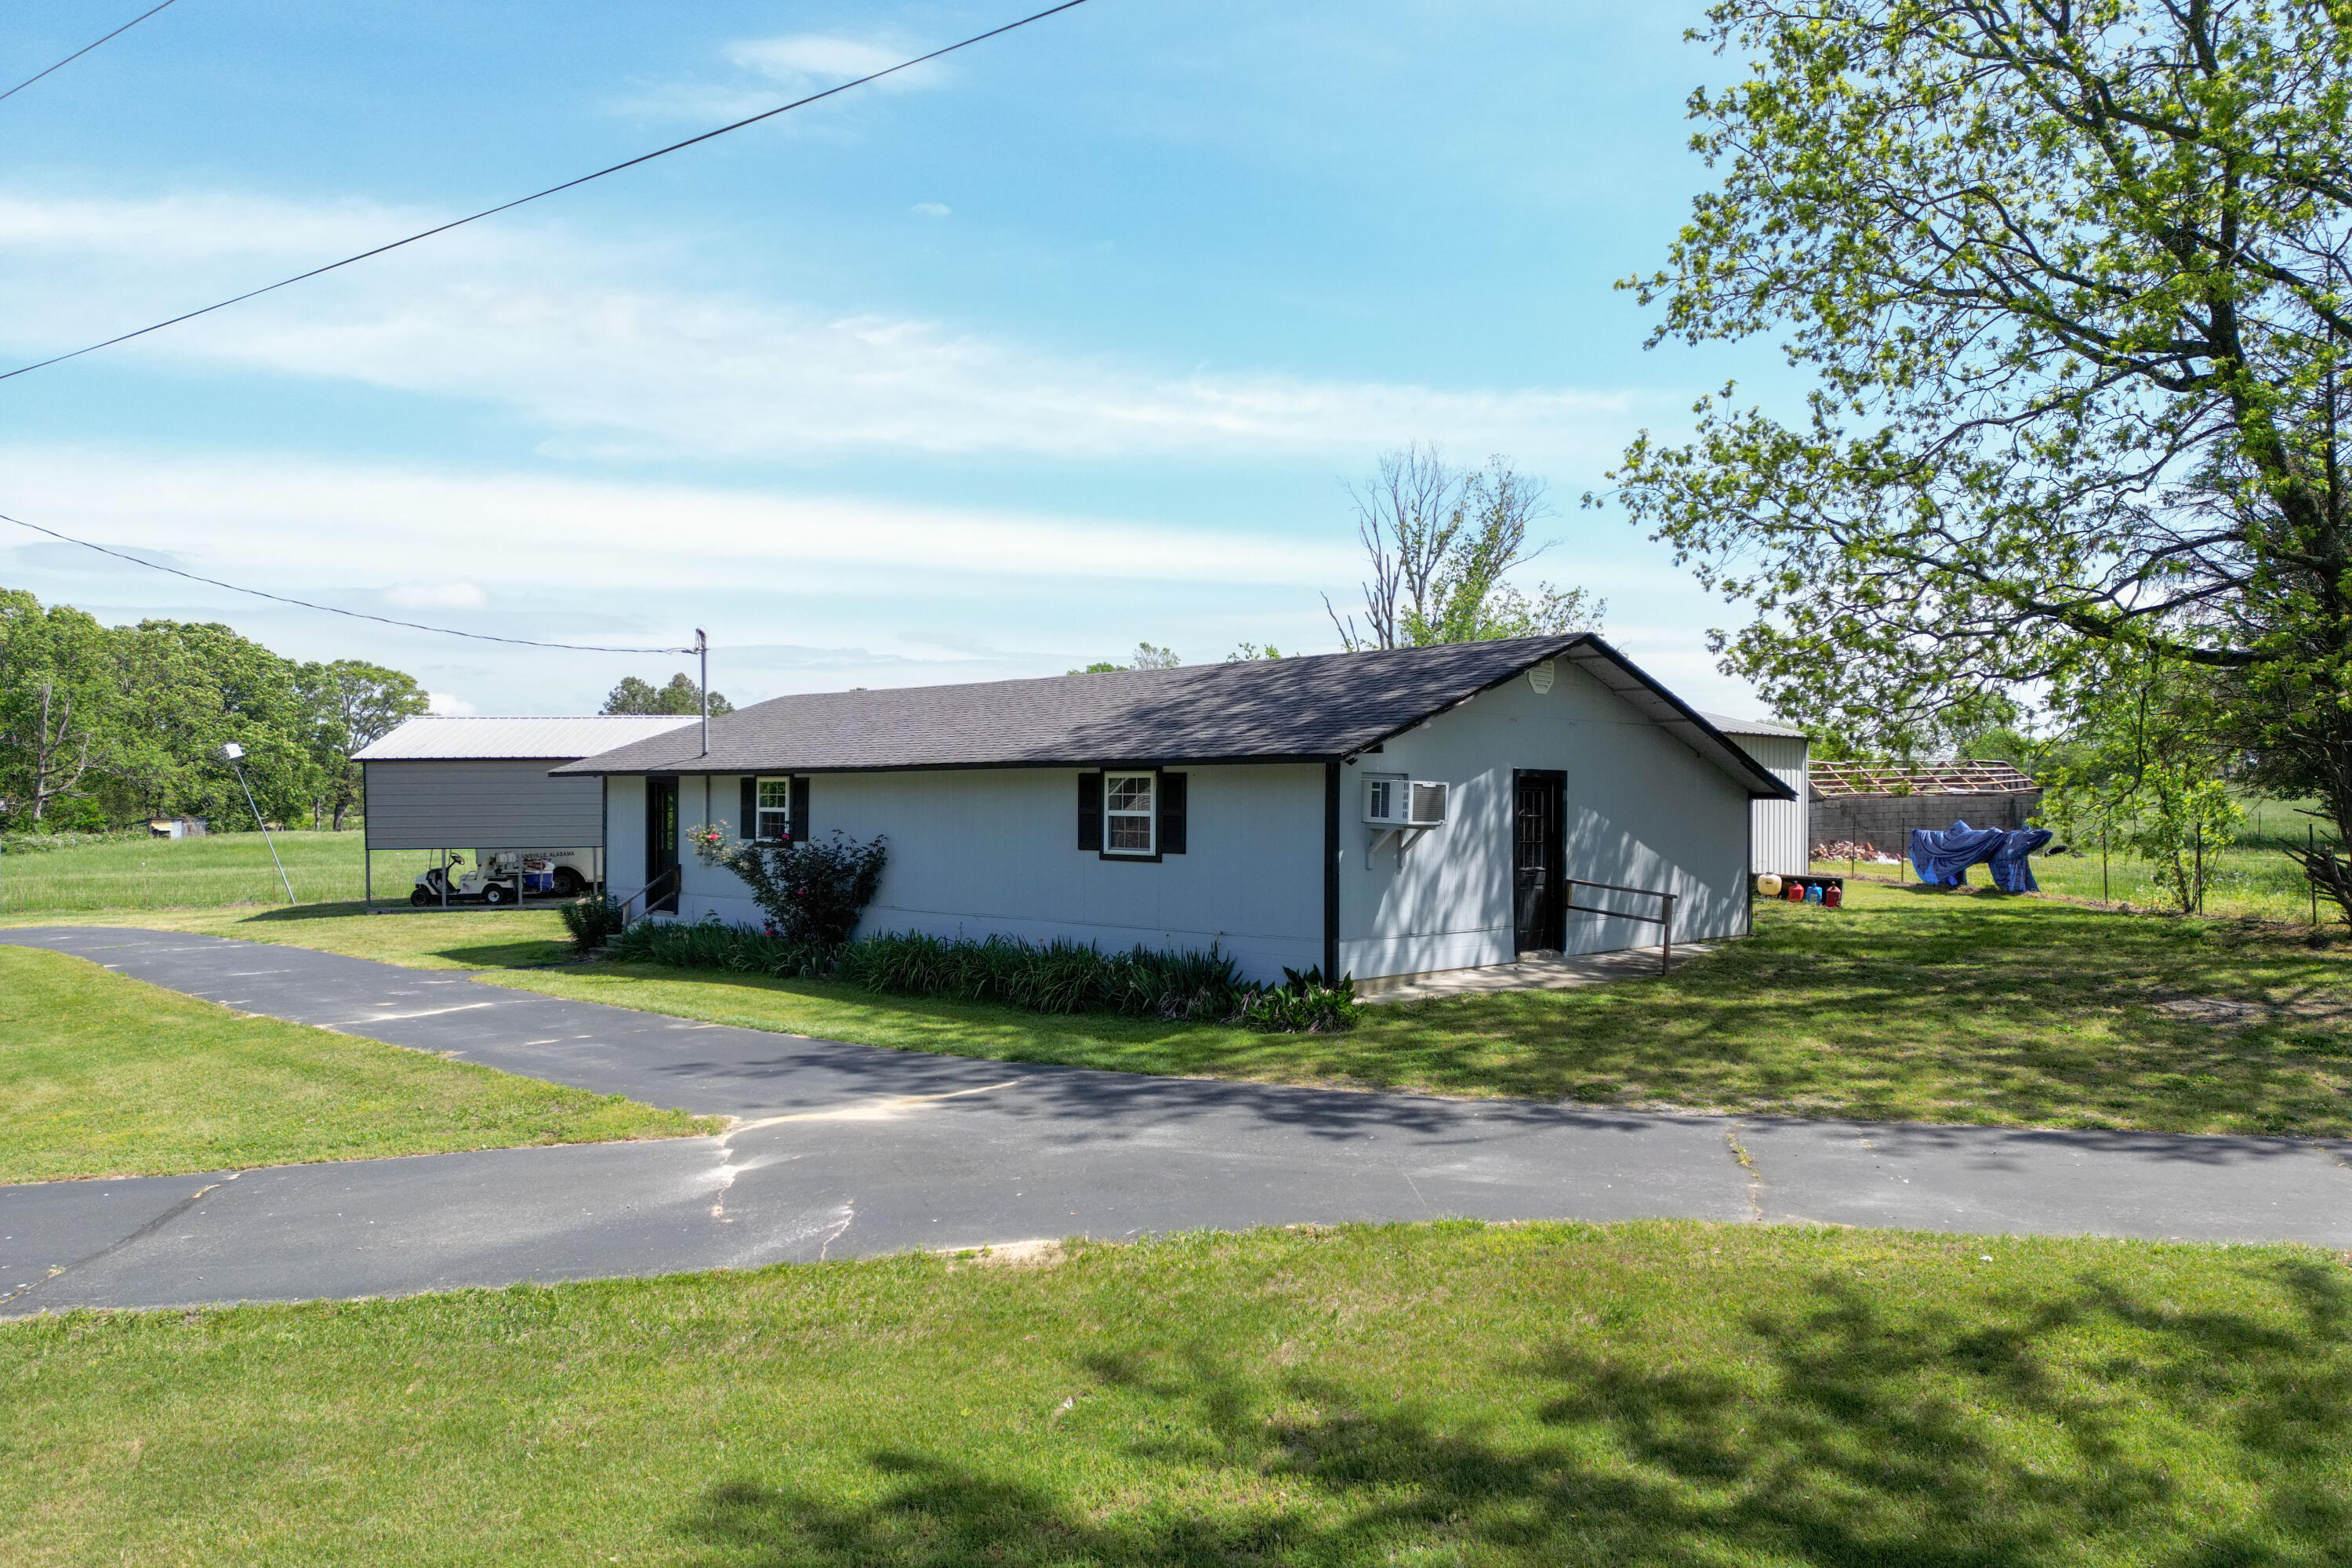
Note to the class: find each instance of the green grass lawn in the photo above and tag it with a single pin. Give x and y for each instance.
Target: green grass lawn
(1666, 1394)
(101, 1074)
(218, 870)
(1907, 1005)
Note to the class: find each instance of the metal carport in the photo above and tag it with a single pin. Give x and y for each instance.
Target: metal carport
(479, 784)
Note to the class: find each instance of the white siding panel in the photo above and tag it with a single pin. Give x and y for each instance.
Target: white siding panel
(479, 806)
(1782, 832)
(625, 834)
(975, 852)
(1643, 810)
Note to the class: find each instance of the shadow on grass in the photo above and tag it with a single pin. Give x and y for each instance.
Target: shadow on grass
(483, 946)
(1938, 1007)
(2085, 1424)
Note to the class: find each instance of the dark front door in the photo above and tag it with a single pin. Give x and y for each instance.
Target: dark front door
(661, 843)
(1537, 857)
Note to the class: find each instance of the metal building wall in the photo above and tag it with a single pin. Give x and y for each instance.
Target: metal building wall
(481, 806)
(1783, 841)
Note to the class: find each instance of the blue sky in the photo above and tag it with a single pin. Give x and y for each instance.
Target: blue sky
(1068, 341)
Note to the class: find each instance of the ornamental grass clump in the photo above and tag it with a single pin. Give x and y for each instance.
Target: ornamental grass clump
(1055, 976)
(1064, 976)
(593, 921)
(711, 944)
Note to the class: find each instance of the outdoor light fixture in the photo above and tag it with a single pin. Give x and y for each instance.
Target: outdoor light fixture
(235, 755)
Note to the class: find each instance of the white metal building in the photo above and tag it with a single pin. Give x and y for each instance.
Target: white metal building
(1384, 813)
(483, 783)
(1783, 828)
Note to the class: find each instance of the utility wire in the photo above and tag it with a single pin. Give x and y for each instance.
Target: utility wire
(551, 190)
(80, 52)
(330, 609)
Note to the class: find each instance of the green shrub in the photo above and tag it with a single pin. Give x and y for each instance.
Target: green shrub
(593, 921)
(812, 894)
(1305, 1005)
(710, 944)
(1056, 976)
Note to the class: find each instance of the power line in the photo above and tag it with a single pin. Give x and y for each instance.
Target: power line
(82, 51)
(330, 609)
(551, 190)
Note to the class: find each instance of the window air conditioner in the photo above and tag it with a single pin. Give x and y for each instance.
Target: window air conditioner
(1393, 800)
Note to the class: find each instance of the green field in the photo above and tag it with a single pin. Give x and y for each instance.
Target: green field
(2251, 879)
(218, 869)
(101, 1074)
(1544, 1394)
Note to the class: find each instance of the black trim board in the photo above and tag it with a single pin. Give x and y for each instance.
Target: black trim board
(1330, 872)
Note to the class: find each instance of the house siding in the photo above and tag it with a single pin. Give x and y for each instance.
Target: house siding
(1642, 810)
(984, 851)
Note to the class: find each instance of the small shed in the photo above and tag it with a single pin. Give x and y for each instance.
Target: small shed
(1780, 836)
(1879, 804)
(482, 782)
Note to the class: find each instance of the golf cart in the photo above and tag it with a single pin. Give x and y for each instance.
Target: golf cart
(505, 877)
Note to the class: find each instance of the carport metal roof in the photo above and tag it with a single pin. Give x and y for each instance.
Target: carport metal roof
(447, 740)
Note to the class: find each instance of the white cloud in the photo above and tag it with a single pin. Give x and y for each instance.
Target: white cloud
(597, 346)
(436, 597)
(821, 59)
(314, 528)
(449, 706)
(930, 209)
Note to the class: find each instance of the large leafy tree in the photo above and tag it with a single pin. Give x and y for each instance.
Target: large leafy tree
(2072, 284)
(352, 704)
(681, 696)
(57, 691)
(190, 688)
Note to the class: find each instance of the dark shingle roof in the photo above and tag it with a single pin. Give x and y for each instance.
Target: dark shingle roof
(1298, 710)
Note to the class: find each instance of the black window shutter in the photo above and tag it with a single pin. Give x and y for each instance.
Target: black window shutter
(1171, 814)
(800, 808)
(1090, 811)
(748, 828)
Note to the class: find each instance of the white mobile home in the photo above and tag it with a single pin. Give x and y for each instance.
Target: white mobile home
(1384, 814)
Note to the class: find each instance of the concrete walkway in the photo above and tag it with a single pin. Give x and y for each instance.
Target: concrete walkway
(846, 1150)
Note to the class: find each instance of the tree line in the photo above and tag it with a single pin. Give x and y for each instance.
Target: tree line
(101, 727)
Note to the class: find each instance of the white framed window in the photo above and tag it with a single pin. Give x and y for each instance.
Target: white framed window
(1131, 813)
(772, 818)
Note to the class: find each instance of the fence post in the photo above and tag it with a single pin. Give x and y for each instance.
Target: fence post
(1666, 948)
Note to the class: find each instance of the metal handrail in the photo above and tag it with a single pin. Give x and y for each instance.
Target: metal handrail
(647, 892)
(1665, 918)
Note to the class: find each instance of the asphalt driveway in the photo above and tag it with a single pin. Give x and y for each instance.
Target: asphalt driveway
(845, 1150)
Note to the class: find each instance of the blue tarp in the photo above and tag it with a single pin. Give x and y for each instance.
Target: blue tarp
(1944, 858)
(2011, 871)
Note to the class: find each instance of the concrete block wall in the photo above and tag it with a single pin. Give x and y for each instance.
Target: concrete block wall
(1886, 820)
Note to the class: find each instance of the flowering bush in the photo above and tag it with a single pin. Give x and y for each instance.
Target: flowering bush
(812, 894)
(712, 843)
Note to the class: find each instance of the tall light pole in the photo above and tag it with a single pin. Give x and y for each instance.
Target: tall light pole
(702, 647)
(235, 755)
